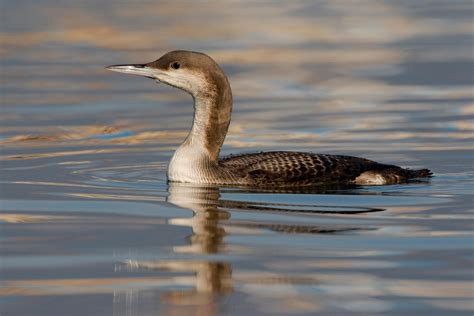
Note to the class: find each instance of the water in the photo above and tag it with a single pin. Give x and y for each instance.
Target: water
(90, 227)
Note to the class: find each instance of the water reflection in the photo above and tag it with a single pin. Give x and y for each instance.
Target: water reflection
(208, 234)
(84, 156)
(211, 277)
(210, 224)
(304, 263)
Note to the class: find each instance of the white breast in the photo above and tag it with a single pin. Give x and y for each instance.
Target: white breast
(188, 165)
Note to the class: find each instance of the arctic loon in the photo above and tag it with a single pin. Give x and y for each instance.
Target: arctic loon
(197, 159)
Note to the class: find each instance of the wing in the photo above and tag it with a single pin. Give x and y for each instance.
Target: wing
(297, 168)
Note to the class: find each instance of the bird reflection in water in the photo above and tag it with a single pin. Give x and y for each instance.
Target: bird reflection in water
(208, 235)
(213, 278)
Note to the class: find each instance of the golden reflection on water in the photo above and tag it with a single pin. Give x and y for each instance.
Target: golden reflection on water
(27, 218)
(383, 23)
(326, 76)
(318, 58)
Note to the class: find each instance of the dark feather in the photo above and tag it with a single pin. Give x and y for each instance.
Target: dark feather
(299, 168)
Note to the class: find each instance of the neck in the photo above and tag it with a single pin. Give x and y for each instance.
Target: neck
(200, 151)
(211, 122)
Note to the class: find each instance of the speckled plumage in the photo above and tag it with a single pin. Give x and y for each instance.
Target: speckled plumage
(283, 168)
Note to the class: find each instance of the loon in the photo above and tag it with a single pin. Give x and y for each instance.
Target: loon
(197, 159)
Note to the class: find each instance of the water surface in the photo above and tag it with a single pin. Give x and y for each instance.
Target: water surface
(89, 225)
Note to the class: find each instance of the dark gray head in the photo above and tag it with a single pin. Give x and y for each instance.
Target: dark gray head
(193, 72)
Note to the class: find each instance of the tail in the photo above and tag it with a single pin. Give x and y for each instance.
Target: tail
(391, 175)
(421, 173)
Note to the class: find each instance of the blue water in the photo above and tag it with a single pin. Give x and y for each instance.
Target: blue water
(89, 226)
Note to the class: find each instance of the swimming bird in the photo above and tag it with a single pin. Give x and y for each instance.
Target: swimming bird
(197, 160)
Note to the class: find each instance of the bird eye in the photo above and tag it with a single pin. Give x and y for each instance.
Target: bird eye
(175, 65)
